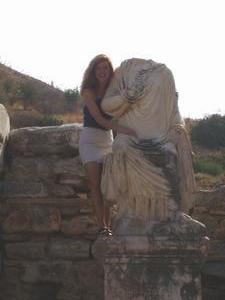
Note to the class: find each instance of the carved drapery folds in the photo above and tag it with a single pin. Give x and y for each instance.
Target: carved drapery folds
(149, 177)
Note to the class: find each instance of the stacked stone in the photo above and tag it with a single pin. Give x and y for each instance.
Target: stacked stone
(48, 226)
(47, 221)
(210, 210)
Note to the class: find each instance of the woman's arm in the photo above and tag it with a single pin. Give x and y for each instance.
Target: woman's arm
(89, 100)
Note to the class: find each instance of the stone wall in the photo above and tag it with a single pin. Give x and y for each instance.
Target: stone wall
(210, 210)
(47, 222)
(48, 226)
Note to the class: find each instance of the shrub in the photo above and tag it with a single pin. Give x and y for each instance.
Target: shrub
(21, 119)
(72, 96)
(210, 132)
(208, 167)
(47, 120)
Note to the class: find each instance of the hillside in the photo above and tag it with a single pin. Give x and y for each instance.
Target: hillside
(43, 97)
(31, 102)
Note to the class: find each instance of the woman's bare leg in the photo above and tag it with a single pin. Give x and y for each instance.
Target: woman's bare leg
(94, 172)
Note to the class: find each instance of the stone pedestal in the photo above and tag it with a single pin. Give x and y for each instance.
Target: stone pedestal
(163, 264)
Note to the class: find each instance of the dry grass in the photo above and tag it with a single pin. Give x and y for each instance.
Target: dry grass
(74, 117)
(206, 181)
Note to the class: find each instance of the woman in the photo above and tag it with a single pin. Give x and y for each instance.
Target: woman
(96, 137)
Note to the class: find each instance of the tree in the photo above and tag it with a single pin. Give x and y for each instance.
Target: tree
(210, 132)
(72, 96)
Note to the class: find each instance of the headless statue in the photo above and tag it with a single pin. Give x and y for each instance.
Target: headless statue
(151, 177)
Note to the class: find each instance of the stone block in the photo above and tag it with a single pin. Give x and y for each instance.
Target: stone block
(0, 262)
(27, 168)
(45, 271)
(216, 250)
(39, 141)
(69, 249)
(60, 190)
(24, 188)
(80, 225)
(81, 283)
(34, 220)
(214, 268)
(25, 250)
(17, 221)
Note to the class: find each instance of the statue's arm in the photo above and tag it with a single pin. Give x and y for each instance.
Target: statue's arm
(115, 106)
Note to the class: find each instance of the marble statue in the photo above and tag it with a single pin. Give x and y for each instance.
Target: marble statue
(4, 132)
(157, 250)
(149, 177)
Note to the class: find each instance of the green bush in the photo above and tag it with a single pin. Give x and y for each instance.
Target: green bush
(21, 119)
(72, 97)
(208, 167)
(47, 120)
(209, 132)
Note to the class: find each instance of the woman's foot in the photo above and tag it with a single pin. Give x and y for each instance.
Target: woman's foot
(109, 231)
(104, 231)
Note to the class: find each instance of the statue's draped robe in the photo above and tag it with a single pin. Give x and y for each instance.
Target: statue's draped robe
(142, 96)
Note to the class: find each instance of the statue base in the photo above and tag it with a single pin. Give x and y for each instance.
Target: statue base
(164, 265)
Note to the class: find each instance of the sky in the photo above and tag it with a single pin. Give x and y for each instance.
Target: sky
(54, 40)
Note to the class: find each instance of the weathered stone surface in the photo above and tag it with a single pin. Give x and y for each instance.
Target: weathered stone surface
(151, 280)
(25, 250)
(69, 249)
(12, 203)
(215, 269)
(45, 271)
(0, 261)
(80, 225)
(210, 222)
(17, 221)
(82, 284)
(71, 172)
(217, 212)
(46, 219)
(209, 209)
(216, 250)
(15, 237)
(35, 141)
(46, 238)
(51, 280)
(162, 263)
(29, 168)
(211, 198)
(23, 188)
(33, 220)
(151, 269)
(68, 207)
(72, 166)
(58, 190)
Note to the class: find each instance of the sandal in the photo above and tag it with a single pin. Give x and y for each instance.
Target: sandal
(109, 231)
(105, 231)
